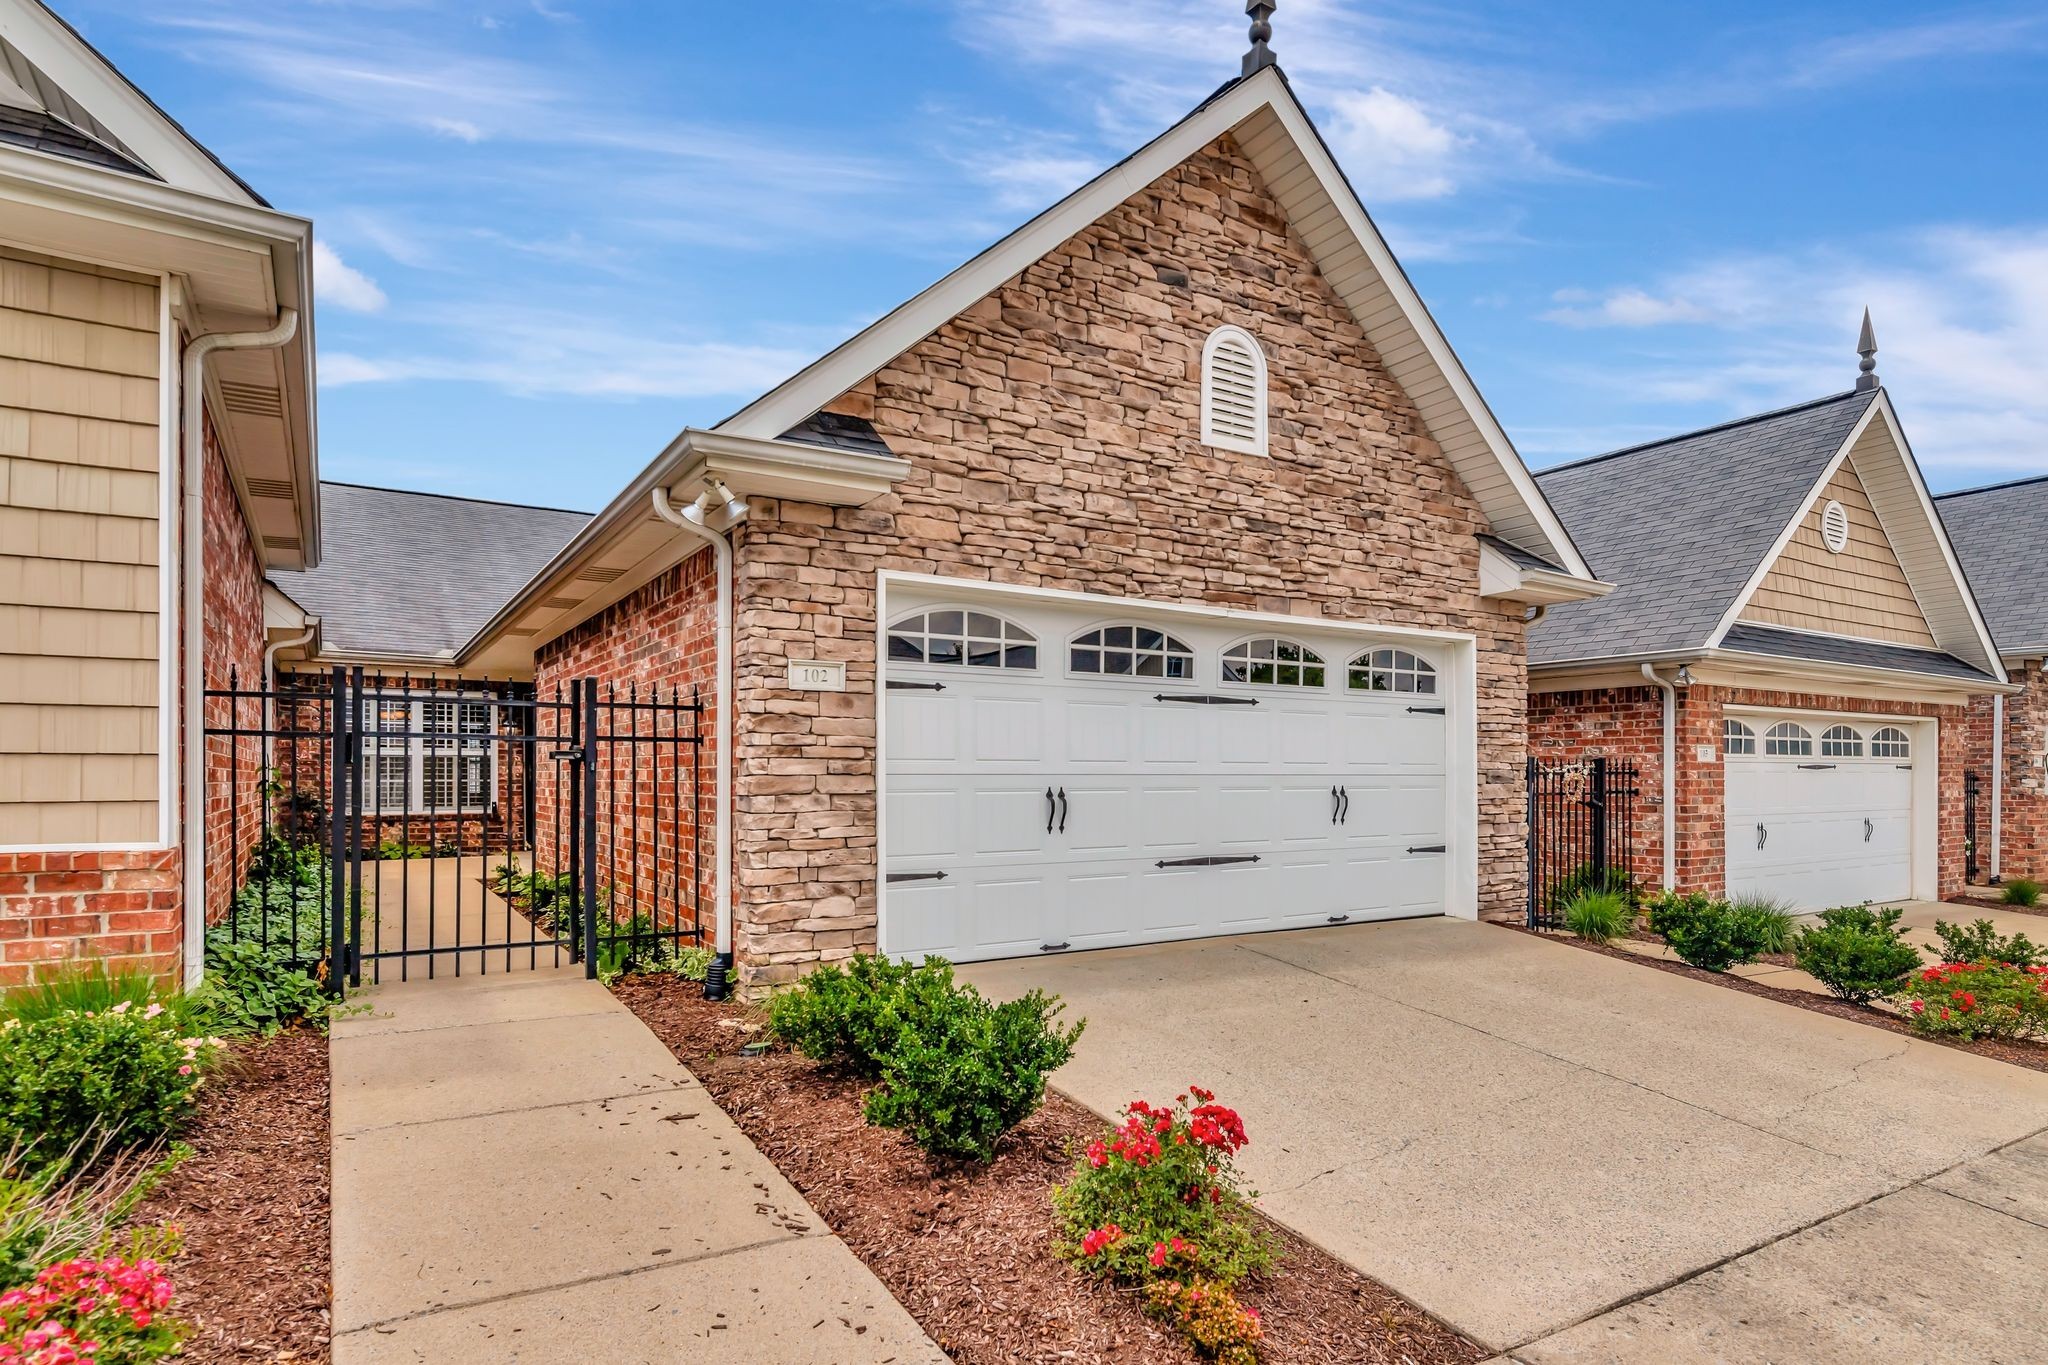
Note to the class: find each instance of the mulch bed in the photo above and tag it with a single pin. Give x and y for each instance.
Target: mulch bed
(1987, 898)
(967, 1249)
(255, 1276)
(2031, 1055)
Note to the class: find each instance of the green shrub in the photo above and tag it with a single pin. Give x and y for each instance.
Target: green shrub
(1160, 1195)
(1768, 919)
(2021, 891)
(1970, 1000)
(1981, 942)
(966, 1071)
(1856, 952)
(129, 1073)
(90, 988)
(72, 1207)
(847, 1015)
(1210, 1317)
(1599, 915)
(1704, 931)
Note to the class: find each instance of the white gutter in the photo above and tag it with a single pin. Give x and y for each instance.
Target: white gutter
(1670, 775)
(1997, 783)
(192, 555)
(722, 697)
(270, 687)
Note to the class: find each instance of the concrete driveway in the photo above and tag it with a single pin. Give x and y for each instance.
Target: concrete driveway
(1572, 1158)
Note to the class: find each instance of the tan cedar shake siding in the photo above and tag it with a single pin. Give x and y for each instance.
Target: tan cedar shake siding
(1861, 592)
(1053, 432)
(80, 680)
(80, 683)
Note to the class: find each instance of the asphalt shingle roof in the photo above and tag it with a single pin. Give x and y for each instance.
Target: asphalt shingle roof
(2001, 535)
(837, 431)
(418, 573)
(1795, 644)
(1679, 525)
(43, 132)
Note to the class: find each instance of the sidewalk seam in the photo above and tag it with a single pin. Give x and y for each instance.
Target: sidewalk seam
(690, 1083)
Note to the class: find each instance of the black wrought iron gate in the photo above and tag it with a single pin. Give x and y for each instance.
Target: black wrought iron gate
(385, 828)
(1582, 833)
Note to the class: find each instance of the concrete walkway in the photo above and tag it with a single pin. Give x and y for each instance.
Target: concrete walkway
(522, 1172)
(1570, 1158)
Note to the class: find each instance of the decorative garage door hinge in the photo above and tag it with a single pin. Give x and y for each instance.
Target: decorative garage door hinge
(895, 877)
(898, 685)
(1425, 848)
(1425, 710)
(1206, 862)
(1202, 699)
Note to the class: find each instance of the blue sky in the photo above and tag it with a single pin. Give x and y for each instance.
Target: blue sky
(554, 232)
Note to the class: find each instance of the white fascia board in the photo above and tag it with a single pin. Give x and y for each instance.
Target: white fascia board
(1989, 648)
(142, 128)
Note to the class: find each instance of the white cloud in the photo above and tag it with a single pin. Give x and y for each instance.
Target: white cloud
(1394, 149)
(1962, 325)
(340, 285)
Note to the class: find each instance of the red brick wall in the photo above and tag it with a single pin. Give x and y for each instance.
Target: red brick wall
(233, 655)
(657, 644)
(1054, 435)
(2023, 839)
(1628, 722)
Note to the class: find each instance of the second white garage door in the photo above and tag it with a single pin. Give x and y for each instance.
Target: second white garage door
(1060, 777)
(1820, 809)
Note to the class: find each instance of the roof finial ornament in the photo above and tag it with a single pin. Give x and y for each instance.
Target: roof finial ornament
(1866, 346)
(1260, 56)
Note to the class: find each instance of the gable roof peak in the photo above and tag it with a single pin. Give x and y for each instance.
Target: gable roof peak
(1733, 424)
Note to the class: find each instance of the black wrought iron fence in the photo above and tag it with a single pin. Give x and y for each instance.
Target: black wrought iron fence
(1970, 843)
(1582, 833)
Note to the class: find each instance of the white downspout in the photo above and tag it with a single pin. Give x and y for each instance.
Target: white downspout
(1670, 776)
(1997, 783)
(722, 696)
(192, 559)
(270, 690)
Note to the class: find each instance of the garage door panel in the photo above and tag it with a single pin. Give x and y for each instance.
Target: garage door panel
(1818, 830)
(1147, 781)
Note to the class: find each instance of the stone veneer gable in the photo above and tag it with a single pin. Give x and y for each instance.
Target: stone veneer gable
(1053, 433)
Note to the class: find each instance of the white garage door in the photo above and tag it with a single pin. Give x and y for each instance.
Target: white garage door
(1820, 809)
(1061, 778)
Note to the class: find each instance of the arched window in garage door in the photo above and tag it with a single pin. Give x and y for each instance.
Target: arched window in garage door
(1891, 742)
(1130, 651)
(1841, 741)
(977, 639)
(1786, 740)
(1390, 670)
(1737, 738)
(1273, 662)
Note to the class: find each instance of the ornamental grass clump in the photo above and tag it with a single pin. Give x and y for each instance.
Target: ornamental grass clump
(1970, 1000)
(1598, 916)
(2020, 891)
(1158, 1201)
(1856, 952)
(1768, 920)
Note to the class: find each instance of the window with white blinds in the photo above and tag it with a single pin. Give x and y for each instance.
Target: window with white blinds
(1234, 391)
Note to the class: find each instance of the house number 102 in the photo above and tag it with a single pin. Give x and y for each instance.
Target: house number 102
(813, 676)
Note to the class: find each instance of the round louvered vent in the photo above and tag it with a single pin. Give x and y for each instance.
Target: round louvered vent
(1834, 527)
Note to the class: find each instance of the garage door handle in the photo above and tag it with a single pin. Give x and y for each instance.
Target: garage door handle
(1345, 793)
(1336, 919)
(1210, 861)
(1203, 699)
(1816, 766)
(1868, 830)
(1425, 710)
(1054, 947)
(1048, 810)
(1336, 804)
(1063, 810)
(1425, 848)
(1763, 835)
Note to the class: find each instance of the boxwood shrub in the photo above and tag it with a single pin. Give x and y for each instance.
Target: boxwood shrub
(1856, 952)
(1707, 932)
(130, 1074)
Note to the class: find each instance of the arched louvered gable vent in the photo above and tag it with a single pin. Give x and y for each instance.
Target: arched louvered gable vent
(1234, 391)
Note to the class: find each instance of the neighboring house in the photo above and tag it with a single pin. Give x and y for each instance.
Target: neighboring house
(1789, 657)
(1157, 573)
(2001, 534)
(152, 470)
